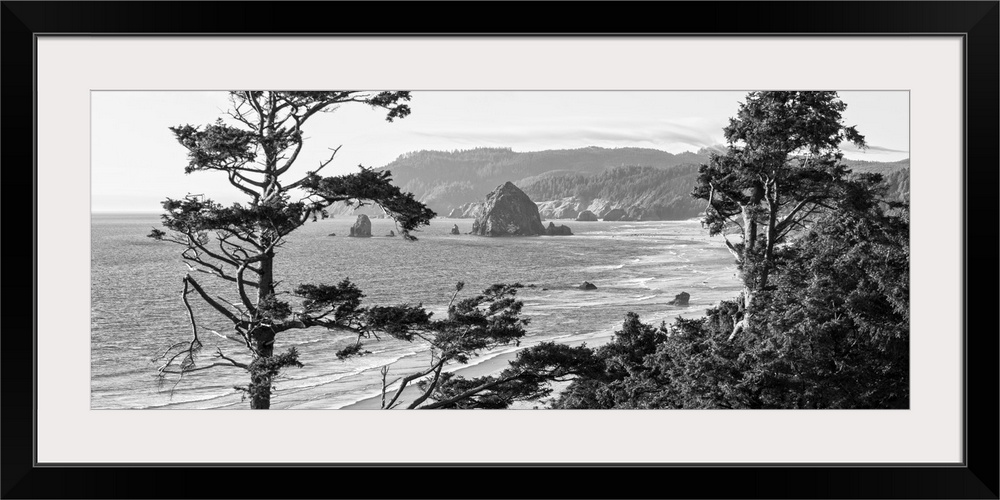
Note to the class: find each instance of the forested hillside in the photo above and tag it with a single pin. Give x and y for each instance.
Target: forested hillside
(648, 184)
(896, 175)
(645, 193)
(447, 179)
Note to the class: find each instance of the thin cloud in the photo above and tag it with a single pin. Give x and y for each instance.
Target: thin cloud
(847, 146)
(658, 135)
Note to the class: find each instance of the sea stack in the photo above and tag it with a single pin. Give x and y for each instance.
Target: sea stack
(586, 216)
(681, 299)
(454, 229)
(554, 230)
(507, 211)
(362, 227)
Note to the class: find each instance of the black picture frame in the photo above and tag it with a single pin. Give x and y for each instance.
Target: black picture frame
(976, 477)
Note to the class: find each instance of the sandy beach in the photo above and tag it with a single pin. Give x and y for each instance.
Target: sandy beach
(491, 366)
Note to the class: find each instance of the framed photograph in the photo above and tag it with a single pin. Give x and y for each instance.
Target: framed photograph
(698, 238)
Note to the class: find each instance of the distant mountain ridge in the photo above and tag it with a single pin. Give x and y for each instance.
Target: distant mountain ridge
(896, 175)
(644, 193)
(648, 184)
(445, 180)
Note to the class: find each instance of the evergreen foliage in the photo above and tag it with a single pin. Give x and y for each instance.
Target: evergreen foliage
(824, 257)
(833, 332)
(255, 147)
(829, 277)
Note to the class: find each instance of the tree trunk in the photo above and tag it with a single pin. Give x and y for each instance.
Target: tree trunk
(749, 221)
(262, 339)
(266, 282)
(747, 298)
(751, 283)
(749, 231)
(772, 235)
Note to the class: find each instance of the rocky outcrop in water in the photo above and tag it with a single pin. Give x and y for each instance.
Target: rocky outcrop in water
(454, 229)
(588, 286)
(681, 299)
(554, 230)
(586, 216)
(507, 211)
(362, 227)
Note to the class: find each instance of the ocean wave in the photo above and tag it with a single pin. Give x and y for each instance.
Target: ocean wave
(610, 267)
(631, 265)
(187, 401)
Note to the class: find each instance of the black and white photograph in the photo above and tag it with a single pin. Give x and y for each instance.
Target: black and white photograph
(694, 217)
(500, 249)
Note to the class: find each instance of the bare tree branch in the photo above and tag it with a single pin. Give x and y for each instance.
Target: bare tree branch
(409, 378)
(470, 392)
(243, 292)
(232, 180)
(322, 164)
(385, 373)
(219, 354)
(212, 302)
(732, 249)
(430, 388)
(199, 368)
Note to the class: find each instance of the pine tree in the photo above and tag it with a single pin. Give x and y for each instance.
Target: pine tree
(781, 169)
(255, 148)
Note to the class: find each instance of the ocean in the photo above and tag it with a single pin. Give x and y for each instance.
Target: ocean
(137, 312)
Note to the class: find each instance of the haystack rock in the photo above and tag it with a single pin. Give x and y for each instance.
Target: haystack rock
(454, 229)
(362, 227)
(614, 214)
(681, 299)
(554, 230)
(507, 211)
(586, 216)
(588, 286)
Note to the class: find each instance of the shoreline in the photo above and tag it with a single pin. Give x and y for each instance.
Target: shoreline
(499, 362)
(491, 366)
(633, 274)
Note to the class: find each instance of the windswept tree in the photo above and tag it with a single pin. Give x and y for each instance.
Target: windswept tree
(473, 325)
(832, 332)
(781, 170)
(256, 148)
(236, 247)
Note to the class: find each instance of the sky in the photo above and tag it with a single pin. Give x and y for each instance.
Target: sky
(136, 163)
